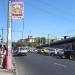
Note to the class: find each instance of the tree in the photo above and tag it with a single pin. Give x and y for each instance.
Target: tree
(37, 42)
(14, 44)
(43, 40)
(20, 44)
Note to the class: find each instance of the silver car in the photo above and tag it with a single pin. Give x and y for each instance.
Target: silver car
(59, 53)
(49, 51)
(21, 51)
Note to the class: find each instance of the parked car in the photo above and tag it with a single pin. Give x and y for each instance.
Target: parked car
(70, 54)
(49, 51)
(15, 51)
(21, 51)
(41, 51)
(64, 53)
(59, 53)
(36, 50)
(31, 50)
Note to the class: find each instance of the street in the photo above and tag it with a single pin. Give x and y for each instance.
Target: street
(36, 64)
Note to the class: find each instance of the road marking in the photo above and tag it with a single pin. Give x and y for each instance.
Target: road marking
(60, 65)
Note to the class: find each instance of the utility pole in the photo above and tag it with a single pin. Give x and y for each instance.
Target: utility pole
(23, 24)
(2, 38)
(40, 40)
(9, 38)
(2, 33)
(23, 30)
(48, 39)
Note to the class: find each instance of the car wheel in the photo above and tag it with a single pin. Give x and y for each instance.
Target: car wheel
(71, 57)
(63, 57)
(52, 54)
(25, 54)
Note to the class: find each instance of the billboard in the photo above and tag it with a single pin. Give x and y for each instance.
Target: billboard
(17, 10)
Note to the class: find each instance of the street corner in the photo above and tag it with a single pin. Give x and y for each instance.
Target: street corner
(11, 71)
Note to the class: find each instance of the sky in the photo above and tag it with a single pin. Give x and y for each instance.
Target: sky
(41, 17)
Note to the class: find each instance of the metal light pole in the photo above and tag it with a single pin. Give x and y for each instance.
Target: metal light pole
(9, 39)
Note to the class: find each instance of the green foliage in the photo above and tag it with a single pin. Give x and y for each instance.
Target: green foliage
(40, 40)
(25, 42)
(20, 44)
(14, 44)
(43, 40)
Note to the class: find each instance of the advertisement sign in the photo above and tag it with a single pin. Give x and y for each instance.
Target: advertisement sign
(17, 10)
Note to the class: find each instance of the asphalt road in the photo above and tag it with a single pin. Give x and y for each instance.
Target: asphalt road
(35, 64)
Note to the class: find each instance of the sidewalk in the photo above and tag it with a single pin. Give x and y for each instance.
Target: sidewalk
(5, 72)
(8, 72)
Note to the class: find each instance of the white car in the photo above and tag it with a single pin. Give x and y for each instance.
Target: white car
(36, 50)
(21, 51)
(60, 53)
(49, 51)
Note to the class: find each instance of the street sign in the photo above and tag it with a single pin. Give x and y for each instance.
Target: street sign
(17, 10)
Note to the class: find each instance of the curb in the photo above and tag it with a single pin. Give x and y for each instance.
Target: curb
(12, 70)
(4, 70)
(14, 67)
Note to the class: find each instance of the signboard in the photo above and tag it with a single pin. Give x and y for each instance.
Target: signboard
(17, 10)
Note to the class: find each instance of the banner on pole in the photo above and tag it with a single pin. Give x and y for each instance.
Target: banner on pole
(17, 10)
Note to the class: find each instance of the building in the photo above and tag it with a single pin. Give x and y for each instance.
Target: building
(30, 38)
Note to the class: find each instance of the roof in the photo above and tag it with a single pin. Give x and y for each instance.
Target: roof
(68, 40)
(58, 42)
